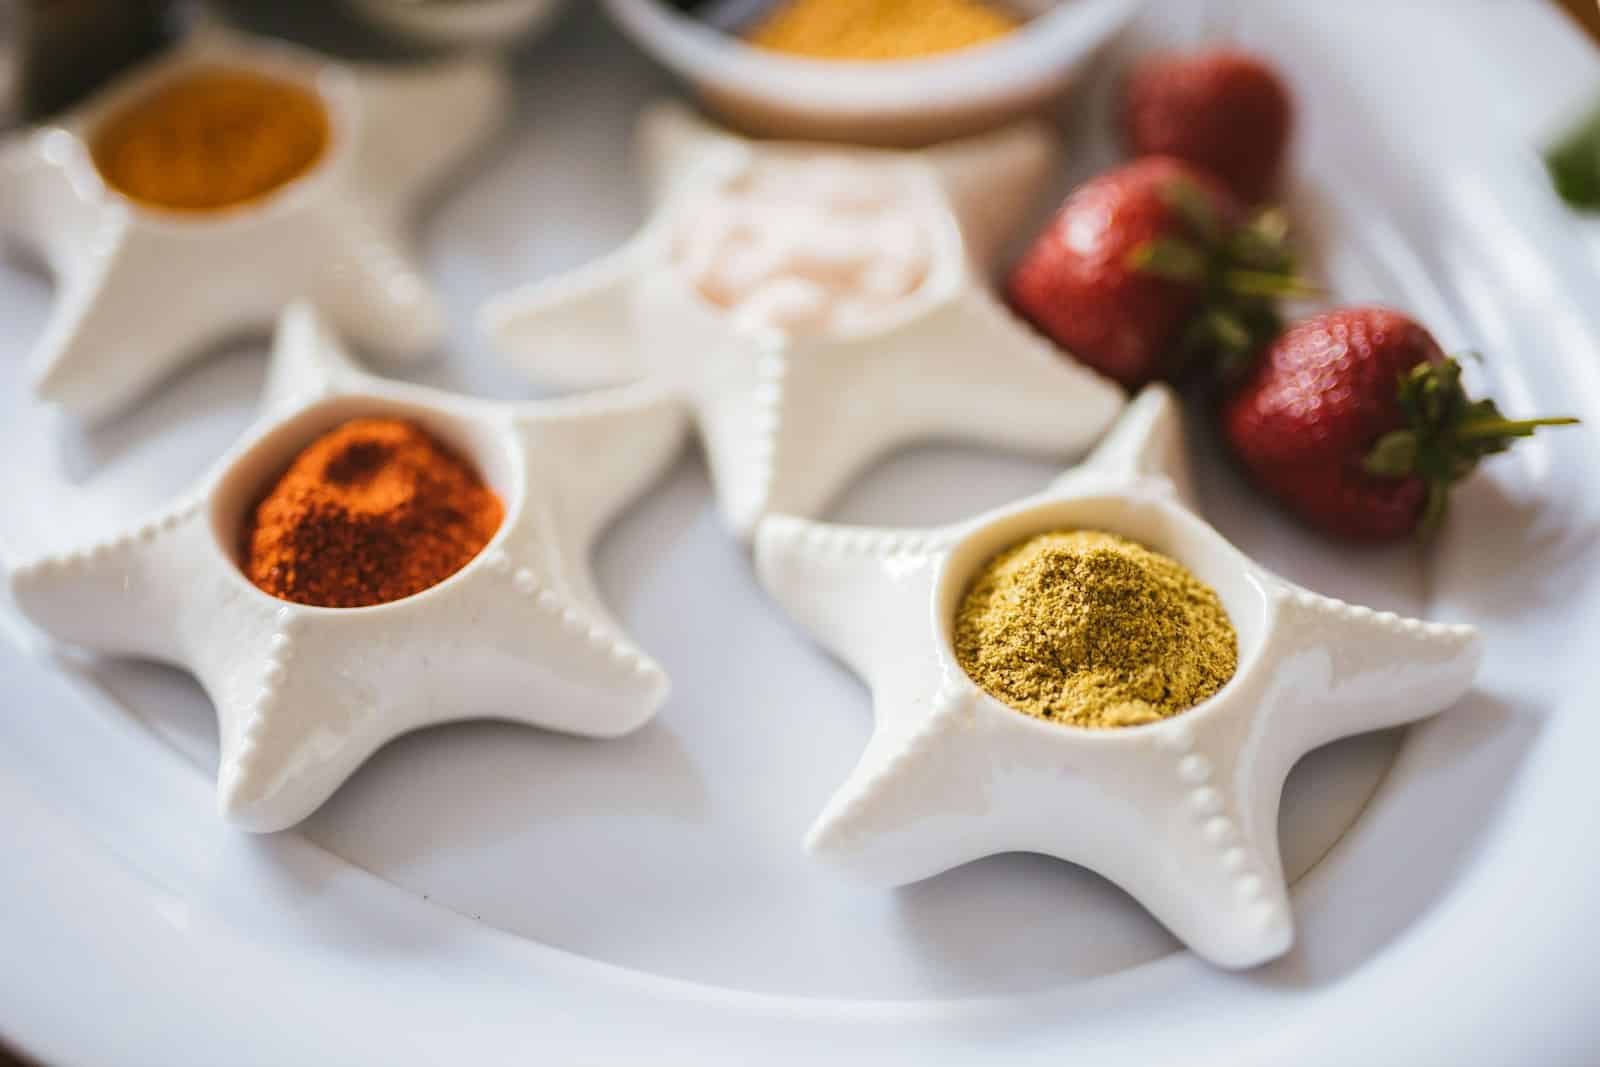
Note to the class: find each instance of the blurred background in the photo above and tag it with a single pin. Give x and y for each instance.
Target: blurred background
(53, 51)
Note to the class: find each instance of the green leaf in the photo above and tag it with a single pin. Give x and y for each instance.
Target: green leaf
(1263, 243)
(1268, 284)
(1394, 456)
(1194, 207)
(1574, 164)
(1174, 260)
(1231, 334)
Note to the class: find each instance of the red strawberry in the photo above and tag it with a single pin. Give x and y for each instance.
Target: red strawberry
(1358, 422)
(1220, 109)
(1148, 265)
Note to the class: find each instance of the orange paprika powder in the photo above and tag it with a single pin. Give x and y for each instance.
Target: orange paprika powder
(372, 511)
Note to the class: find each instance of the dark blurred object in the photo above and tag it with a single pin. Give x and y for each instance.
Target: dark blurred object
(726, 15)
(53, 52)
(10, 1057)
(1575, 164)
(1586, 12)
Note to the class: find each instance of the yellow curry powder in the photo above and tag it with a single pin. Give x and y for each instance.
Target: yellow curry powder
(879, 29)
(212, 139)
(1091, 629)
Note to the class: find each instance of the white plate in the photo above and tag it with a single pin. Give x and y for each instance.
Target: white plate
(488, 893)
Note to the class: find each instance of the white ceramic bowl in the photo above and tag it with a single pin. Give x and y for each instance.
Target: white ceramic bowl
(900, 102)
(461, 23)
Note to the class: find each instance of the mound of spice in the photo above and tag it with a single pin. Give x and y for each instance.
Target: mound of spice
(370, 512)
(210, 140)
(879, 29)
(1090, 629)
(818, 242)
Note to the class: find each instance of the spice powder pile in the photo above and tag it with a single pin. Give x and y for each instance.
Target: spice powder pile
(212, 139)
(1090, 629)
(879, 29)
(373, 511)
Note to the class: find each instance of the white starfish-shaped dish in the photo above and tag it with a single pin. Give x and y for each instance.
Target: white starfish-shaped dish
(1181, 813)
(142, 291)
(789, 418)
(305, 694)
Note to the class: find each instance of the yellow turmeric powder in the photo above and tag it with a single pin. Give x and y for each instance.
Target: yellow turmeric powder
(213, 139)
(879, 29)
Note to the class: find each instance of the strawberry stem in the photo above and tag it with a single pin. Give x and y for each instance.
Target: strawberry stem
(1483, 428)
(1243, 271)
(1446, 435)
(1434, 509)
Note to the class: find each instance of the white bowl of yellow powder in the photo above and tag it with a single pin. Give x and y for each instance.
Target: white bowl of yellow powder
(892, 72)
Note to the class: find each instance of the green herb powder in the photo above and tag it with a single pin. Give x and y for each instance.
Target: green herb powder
(1091, 629)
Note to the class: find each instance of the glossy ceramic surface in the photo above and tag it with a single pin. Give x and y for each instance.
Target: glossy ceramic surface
(1182, 813)
(304, 695)
(789, 420)
(335, 235)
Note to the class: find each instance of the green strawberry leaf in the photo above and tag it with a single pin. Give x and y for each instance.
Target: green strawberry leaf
(1263, 244)
(1243, 272)
(1170, 258)
(1191, 204)
(1447, 433)
(1394, 456)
